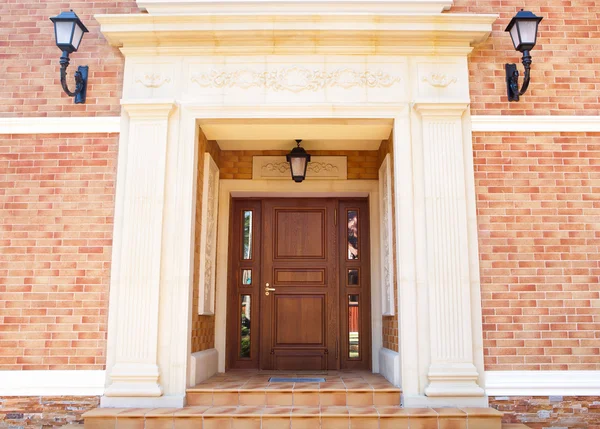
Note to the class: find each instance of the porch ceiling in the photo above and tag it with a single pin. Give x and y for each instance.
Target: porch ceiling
(316, 134)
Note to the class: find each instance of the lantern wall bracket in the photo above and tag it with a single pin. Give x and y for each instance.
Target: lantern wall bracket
(512, 78)
(81, 78)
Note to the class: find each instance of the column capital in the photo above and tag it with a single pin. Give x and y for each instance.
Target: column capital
(159, 108)
(441, 109)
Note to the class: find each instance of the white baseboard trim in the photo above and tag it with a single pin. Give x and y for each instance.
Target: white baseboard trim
(497, 123)
(203, 365)
(389, 366)
(542, 383)
(52, 383)
(84, 125)
(480, 123)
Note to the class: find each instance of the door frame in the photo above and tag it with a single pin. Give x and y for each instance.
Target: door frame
(230, 188)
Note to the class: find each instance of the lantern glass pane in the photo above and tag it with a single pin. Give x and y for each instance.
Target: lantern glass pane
(514, 34)
(528, 31)
(63, 32)
(298, 165)
(77, 36)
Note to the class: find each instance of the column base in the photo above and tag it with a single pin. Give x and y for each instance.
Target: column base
(419, 401)
(135, 380)
(176, 401)
(453, 379)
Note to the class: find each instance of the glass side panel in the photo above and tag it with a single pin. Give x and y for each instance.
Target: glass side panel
(245, 327)
(353, 277)
(352, 234)
(353, 327)
(246, 277)
(247, 234)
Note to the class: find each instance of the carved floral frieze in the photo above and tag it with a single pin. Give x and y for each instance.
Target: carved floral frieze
(152, 80)
(295, 79)
(439, 80)
(320, 167)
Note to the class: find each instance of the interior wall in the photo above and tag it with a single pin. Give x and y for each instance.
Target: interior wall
(203, 327)
(390, 331)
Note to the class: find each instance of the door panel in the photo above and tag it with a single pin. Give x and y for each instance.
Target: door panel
(299, 319)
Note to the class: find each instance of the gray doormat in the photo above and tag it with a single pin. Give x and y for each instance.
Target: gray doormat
(295, 380)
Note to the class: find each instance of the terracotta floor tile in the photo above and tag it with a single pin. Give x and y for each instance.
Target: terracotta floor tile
(246, 423)
(387, 422)
(334, 411)
(359, 399)
(305, 411)
(305, 399)
(360, 411)
(216, 422)
(312, 422)
(386, 398)
(276, 422)
(335, 422)
(422, 422)
(225, 398)
(364, 422)
(332, 398)
(204, 398)
(253, 398)
(279, 398)
(187, 422)
(190, 411)
(165, 422)
(130, 422)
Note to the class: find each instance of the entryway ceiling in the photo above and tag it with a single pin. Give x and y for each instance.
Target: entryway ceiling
(279, 134)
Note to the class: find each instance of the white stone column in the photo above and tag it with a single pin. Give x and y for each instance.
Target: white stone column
(133, 367)
(452, 371)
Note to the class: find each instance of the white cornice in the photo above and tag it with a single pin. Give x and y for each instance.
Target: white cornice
(542, 383)
(92, 124)
(52, 383)
(296, 34)
(493, 123)
(292, 7)
(111, 124)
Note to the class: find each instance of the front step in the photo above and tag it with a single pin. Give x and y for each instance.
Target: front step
(279, 417)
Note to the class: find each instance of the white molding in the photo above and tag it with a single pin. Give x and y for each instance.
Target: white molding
(543, 124)
(52, 383)
(480, 123)
(389, 366)
(36, 125)
(542, 383)
(203, 365)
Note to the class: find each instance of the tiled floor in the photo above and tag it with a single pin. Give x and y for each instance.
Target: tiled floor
(341, 388)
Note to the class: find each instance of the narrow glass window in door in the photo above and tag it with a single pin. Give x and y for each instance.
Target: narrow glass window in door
(353, 327)
(245, 327)
(247, 234)
(353, 277)
(352, 234)
(246, 277)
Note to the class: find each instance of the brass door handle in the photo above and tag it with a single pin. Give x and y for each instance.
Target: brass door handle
(268, 289)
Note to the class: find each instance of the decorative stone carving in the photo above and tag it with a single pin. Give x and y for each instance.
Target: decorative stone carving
(208, 237)
(387, 254)
(153, 80)
(295, 79)
(439, 80)
(320, 167)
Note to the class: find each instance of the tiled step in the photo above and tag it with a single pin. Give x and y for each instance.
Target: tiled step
(282, 417)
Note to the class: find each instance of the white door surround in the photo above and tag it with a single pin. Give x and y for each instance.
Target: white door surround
(182, 69)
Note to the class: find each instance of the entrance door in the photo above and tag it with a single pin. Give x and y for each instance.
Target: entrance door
(299, 284)
(299, 291)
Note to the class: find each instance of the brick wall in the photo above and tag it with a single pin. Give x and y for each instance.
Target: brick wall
(390, 323)
(237, 164)
(57, 202)
(29, 60)
(566, 65)
(38, 412)
(538, 210)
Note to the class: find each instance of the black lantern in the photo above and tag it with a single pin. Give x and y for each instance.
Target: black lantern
(523, 30)
(68, 32)
(298, 159)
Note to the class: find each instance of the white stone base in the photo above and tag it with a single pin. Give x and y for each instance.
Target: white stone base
(389, 366)
(441, 402)
(203, 365)
(175, 401)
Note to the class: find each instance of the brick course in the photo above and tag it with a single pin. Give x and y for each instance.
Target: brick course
(57, 203)
(538, 210)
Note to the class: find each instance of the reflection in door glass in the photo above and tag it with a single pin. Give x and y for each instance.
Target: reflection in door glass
(352, 234)
(353, 324)
(353, 277)
(246, 277)
(247, 235)
(245, 327)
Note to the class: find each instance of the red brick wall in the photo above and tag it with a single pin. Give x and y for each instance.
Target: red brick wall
(538, 207)
(29, 60)
(566, 65)
(57, 202)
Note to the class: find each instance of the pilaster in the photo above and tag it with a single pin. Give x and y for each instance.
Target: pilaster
(452, 374)
(133, 369)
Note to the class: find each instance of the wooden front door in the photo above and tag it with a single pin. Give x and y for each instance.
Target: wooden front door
(299, 284)
(299, 320)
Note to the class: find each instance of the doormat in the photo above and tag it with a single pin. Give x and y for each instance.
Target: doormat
(295, 380)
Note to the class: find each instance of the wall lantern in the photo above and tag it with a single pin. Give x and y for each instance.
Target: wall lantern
(523, 30)
(68, 32)
(298, 159)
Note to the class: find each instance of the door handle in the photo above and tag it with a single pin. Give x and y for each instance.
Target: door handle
(268, 289)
